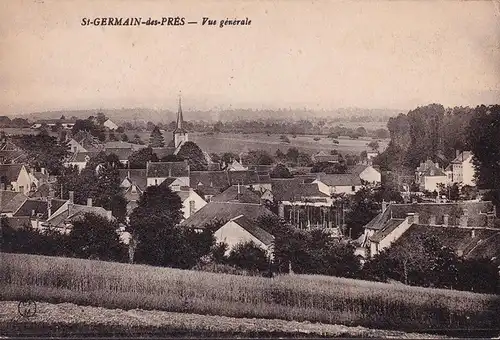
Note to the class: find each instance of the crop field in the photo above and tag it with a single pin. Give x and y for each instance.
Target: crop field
(292, 297)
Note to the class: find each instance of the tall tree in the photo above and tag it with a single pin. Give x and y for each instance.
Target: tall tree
(44, 151)
(139, 158)
(194, 155)
(280, 171)
(153, 223)
(483, 140)
(156, 139)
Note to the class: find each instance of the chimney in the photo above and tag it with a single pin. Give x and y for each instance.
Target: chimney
(416, 218)
(109, 214)
(42, 170)
(464, 219)
(411, 218)
(89, 202)
(169, 171)
(71, 197)
(446, 219)
(432, 220)
(32, 212)
(473, 233)
(457, 153)
(49, 207)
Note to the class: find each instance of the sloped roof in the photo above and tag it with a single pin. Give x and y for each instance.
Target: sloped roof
(438, 210)
(136, 176)
(122, 153)
(123, 145)
(73, 211)
(296, 191)
(386, 230)
(10, 201)
(462, 157)
(487, 248)
(10, 171)
(204, 179)
(458, 239)
(261, 168)
(243, 177)
(245, 195)
(253, 229)
(38, 207)
(132, 196)
(340, 179)
(14, 156)
(225, 211)
(357, 169)
(324, 157)
(81, 157)
(167, 169)
(429, 169)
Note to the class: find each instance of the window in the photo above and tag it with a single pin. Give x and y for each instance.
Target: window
(353, 188)
(156, 182)
(176, 187)
(191, 207)
(21, 188)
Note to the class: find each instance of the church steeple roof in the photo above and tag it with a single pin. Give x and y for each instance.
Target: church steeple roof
(179, 127)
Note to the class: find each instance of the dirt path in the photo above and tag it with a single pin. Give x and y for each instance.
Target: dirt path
(68, 319)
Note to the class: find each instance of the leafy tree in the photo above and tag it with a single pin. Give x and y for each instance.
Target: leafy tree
(88, 125)
(329, 168)
(137, 140)
(139, 158)
(112, 136)
(44, 151)
(249, 256)
(94, 236)
(280, 171)
(292, 155)
(120, 129)
(258, 157)
(279, 156)
(153, 222)
(361, 132)
(363, 209)
(194, 155)
(156, 139)
(381, 133)
(304, 159)
(483, 139)
(124, 137)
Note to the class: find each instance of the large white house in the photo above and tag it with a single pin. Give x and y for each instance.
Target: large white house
(429, 176)
(461, 170)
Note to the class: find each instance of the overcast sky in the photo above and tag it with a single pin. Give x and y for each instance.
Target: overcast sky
(314, 54)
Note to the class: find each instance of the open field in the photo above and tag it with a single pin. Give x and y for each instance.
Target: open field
(292, 297)
(67, 319)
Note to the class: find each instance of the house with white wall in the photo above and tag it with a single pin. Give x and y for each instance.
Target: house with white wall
(241, 229)
(191, 202)
(157, 172)
(338, 183)
(429, 175)
(15, 177)
(461, 169)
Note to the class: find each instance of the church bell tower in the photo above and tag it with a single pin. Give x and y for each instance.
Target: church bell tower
(180, 133)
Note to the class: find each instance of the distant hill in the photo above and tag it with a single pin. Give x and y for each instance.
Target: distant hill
(166, 116)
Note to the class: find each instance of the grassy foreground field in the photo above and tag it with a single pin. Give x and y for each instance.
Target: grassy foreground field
(299, 298)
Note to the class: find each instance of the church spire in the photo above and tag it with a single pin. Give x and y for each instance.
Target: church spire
(179, 127)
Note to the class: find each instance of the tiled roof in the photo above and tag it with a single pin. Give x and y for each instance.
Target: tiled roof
(253, 229)
(14, 156)
(38, 207)
(207, 179)
(296, 190)
(225, 211)
(324, 157)
(81, 157)
(167, 169)
(438, 210)
(10, 201)
(458, 239)
(122, 153)
(132, 196)
(231, 194)
(243, 177)
(73, 211)
(357, 169)
(261, 168)
(137, 176)
(123, 145)
(488, 248)
(386, 230)
(429, 168)
(340, 179)
(462, 157)
(10, 172)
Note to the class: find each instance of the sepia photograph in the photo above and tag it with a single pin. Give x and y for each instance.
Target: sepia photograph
(250, 169)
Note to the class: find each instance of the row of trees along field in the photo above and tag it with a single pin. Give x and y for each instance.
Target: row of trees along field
(159, 241)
